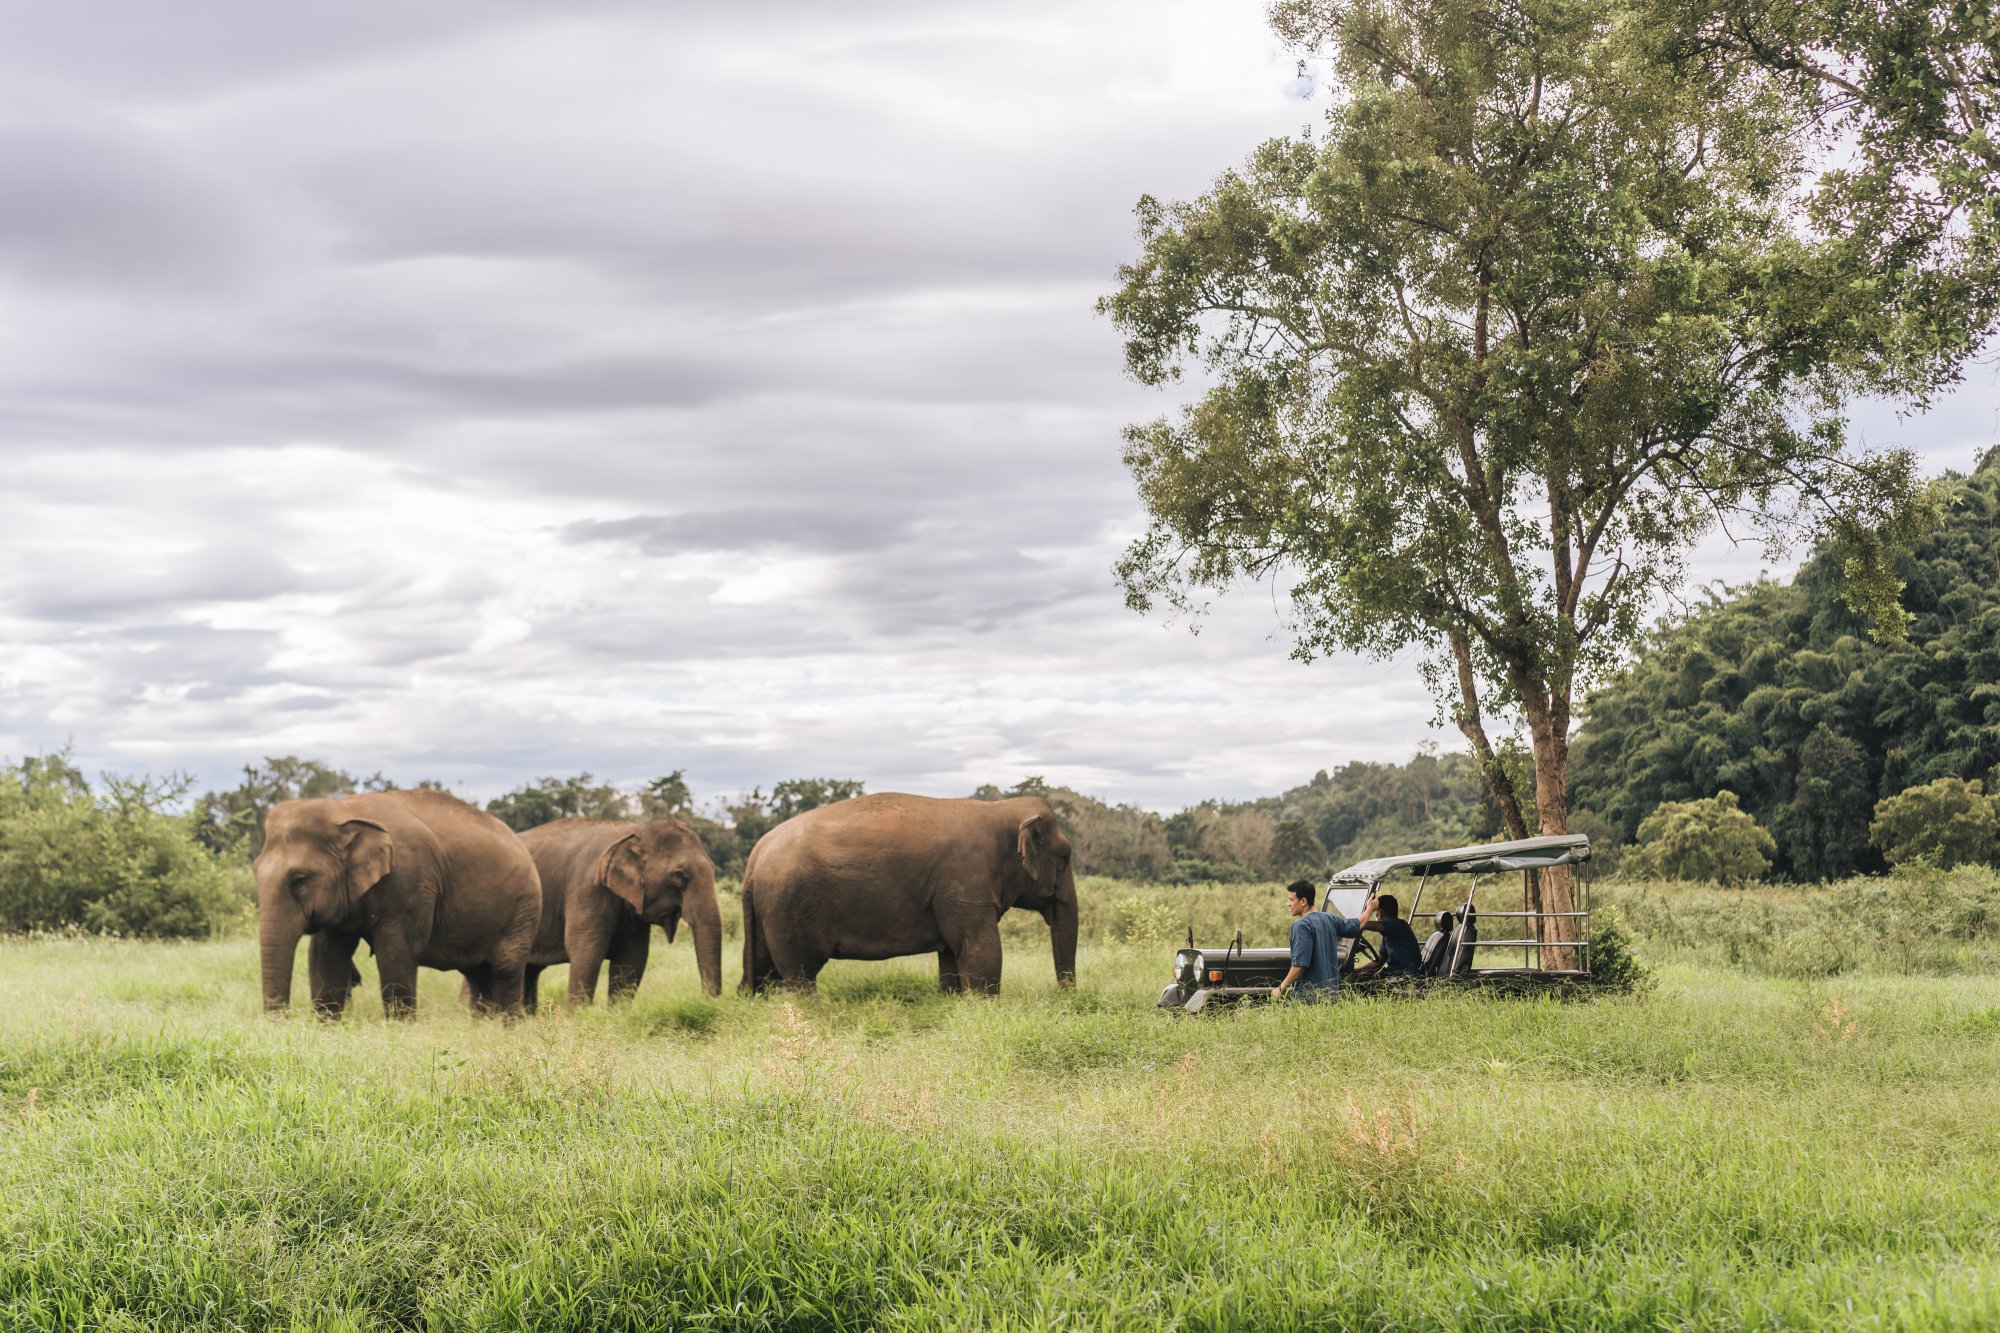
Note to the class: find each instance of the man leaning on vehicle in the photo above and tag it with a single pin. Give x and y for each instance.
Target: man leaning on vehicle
(1316, 937)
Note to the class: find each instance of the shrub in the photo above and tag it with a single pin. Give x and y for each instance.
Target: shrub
(1613, 964)
(1948, 823)
(112, 862)
(1713, 840)
(1145, 920)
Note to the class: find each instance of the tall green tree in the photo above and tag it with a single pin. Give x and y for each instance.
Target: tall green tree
(1484, 358)
(1902, 100)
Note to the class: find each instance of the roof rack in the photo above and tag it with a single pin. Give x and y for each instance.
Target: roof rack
(1523, 854)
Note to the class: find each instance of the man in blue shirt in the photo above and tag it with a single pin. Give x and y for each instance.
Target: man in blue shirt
(1400, 952)
(1316, 940)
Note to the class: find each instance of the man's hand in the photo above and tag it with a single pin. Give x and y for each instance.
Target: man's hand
(1277, 992)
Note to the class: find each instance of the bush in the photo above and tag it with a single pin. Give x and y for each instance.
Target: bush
(113, 862)
(1948, 823)
(1713, 840)
(1613, 964)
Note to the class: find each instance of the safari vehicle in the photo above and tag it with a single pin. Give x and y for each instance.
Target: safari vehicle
(1454, 951)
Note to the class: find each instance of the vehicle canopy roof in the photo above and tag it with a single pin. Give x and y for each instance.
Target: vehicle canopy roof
(1525, 854)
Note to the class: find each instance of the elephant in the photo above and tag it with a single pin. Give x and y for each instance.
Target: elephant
(605, 885)
(425, 878)
(887, 875)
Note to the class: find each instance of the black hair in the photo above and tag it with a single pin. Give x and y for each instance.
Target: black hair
(1302, 888)
(1386, 904)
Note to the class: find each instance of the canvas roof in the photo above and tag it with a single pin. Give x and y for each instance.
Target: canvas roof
(1524, 854)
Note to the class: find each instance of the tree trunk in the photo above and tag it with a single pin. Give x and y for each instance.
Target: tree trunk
(1473, 725)
(1553, 890)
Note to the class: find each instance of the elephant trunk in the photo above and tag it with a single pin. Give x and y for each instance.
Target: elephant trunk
(704, 919)
(1061, 916)
(279, 926)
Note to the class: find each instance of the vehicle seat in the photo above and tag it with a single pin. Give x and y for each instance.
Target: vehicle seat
(1431, 960)
(1462, 940)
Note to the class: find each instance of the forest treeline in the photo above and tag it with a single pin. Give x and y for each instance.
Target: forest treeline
(1778, 694)
(1361, 809)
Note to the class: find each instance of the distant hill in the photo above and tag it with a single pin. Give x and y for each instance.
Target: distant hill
(1776, 692)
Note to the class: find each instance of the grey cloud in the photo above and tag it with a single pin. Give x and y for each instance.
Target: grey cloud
(108, 586)
(621, 387)
(114, 209)
(836, 527)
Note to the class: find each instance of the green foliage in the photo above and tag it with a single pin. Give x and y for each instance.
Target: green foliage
(667, 797)
(112, 862)
(1615, 965)
(1712, 840)
(1485, 357)
(1906, 97)
(1949, 822)
(1124, 841)
(1296, 849)
(751, 817)
(1607, 842)
(548, 799)
(1776, 692)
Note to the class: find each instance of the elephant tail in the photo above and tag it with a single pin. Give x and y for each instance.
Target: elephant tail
(752, 942)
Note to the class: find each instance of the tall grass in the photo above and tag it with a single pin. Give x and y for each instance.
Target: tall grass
(1726, 1151)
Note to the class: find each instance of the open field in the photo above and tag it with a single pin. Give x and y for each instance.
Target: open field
(1725, 1151)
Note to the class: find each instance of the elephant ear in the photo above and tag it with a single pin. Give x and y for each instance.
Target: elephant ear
(619, 871)
(1037, 844)
(369, 854)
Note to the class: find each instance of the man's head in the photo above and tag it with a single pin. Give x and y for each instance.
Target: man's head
(1301, 900)
(1387, 906)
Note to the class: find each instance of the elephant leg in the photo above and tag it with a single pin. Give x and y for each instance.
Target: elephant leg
(475, 991)
(503, 989)
(330, 965)
(584, 965)
(759, 972)
(396, 963)
(948, 978)
(531, 987)
(978, 951)
(795, 959)
(628, 965)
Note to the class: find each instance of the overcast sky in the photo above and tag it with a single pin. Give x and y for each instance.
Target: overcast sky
(452, 389)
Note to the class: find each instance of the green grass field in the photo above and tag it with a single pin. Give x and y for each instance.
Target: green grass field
(1725, 1151)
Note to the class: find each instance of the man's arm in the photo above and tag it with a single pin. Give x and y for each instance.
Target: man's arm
(1302, 956)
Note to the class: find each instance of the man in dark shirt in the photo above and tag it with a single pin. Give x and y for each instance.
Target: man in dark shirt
(1400, 951)
(1316, 937)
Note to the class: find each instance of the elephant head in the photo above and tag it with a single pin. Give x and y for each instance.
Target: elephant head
(661, 871)
(1050, 886)
(315, 868)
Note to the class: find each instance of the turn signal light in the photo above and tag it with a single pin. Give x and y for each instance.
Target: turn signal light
(1215, 976)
